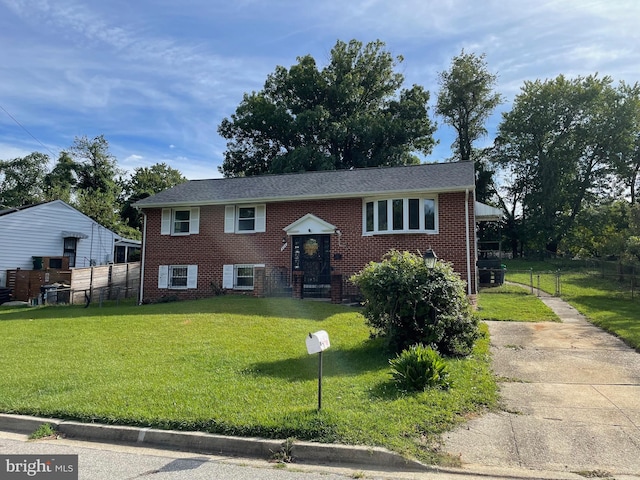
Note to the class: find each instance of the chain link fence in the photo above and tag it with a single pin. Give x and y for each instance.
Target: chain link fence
(613, 279)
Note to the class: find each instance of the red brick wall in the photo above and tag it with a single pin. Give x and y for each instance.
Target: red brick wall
(212, 248)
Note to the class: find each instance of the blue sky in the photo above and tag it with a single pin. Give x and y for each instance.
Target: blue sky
(157, 77)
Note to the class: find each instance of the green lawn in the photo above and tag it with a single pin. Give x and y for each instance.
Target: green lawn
(513, 303)
(606, 302)
(231, 365)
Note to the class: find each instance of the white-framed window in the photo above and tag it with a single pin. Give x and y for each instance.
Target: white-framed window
(180, 221)
(178, 277)
(400, 215)
(239, 276)
(244, 218)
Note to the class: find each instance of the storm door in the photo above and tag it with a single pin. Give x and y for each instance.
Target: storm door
(312, 255)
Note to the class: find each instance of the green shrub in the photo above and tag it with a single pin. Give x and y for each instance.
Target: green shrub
(408, 303)
(418, 368)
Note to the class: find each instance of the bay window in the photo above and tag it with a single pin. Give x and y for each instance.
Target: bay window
(400, 215)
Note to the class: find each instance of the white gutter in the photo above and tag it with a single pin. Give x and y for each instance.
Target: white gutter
(466, 216)
(142, 258)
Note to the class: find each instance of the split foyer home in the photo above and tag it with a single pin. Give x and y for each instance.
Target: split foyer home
(305, 233)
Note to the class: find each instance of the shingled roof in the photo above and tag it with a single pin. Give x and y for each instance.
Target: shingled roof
(424, 178)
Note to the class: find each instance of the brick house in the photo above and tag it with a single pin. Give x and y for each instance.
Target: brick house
(305, 232)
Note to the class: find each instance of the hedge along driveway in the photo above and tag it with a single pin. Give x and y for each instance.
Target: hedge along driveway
(231, 365)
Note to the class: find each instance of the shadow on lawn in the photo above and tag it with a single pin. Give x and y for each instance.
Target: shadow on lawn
(224, 304)
(367, 357)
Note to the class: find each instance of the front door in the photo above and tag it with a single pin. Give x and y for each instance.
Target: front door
(312, 255)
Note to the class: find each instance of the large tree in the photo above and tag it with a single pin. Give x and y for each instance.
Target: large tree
(466, 100)
(21, 180)
(60, 182)
(628, 162)
(98, 189)
(145, 182)
(352, 113)
(559, 143)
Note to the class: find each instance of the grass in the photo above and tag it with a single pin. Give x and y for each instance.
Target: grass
(603, 301)
(43, 431)
(512, 303)
(230, 365)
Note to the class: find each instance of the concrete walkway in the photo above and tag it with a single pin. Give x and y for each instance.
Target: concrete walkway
(570, 402)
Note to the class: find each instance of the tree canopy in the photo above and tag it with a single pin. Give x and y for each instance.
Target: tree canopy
(466, 100)
(144, 182)
(352, 113)
(559, 146)
(86, 176)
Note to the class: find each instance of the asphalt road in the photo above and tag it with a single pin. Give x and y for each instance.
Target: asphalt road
(117, 462)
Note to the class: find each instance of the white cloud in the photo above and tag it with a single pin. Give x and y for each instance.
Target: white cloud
(151, 74)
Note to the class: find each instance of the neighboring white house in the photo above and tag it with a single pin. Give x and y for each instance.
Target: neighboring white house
(53, 229)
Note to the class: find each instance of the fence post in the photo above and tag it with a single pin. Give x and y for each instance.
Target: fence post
(538, 284)
(531, 279)
(557, 283)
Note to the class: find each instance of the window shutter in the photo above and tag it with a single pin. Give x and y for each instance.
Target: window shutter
(165, 228)
(194, 220)
(261, 220)
(192, 276)
(163, 276)
(227, 276)
(229, 219)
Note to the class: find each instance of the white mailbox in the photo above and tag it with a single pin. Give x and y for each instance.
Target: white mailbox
(317, 342)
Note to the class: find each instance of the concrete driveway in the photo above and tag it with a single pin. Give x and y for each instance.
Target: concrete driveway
(570, 402)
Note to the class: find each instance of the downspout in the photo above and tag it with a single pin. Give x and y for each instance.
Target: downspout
(142, 257)
(466, 216)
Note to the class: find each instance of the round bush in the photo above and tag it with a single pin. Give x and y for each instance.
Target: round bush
(408, 302)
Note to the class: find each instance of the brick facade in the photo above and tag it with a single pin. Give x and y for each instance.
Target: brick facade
(211, 248)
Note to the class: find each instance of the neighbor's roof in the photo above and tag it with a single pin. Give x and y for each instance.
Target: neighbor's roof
(430, 178)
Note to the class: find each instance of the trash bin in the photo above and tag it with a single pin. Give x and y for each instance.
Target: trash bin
(500, 274)
(49, 294)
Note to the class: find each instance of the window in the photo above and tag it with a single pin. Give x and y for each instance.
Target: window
(180, 221)
(69, 250)
(244, 218)
(238, 277)
(429, 214)
(382, 215)
(399, 215)
(178, 277)
(243, 276)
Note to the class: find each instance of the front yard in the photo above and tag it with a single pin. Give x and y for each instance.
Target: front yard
(231, 365)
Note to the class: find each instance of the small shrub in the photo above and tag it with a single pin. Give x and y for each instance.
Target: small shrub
(285, 454)
(44, 431)
(418, 368)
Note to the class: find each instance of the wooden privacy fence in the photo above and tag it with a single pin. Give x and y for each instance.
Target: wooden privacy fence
(108, 282)
(105, 282)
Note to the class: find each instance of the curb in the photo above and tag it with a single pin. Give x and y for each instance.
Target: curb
(265, 449)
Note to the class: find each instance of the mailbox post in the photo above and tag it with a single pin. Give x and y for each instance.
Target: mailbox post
(317, 343)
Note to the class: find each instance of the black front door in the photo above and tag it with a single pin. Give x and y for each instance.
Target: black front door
(312, 255)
